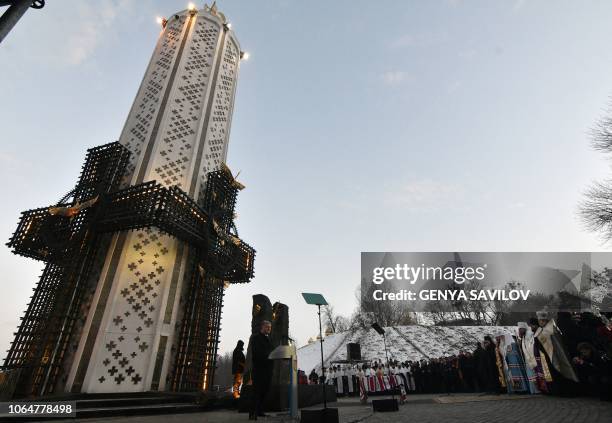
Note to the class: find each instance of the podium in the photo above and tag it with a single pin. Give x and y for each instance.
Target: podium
(287, 352)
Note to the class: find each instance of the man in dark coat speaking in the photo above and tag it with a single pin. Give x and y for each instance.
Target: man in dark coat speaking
(262, 368)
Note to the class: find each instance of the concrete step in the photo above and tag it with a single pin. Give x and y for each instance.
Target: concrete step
(130, 400)
(122, 404)
(137, 410)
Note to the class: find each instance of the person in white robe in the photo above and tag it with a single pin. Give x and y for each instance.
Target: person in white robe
(340, 380)
(525, 340)
(331, 378)
(363, 390)
(410, 376)
(371, 379)
(350, 379)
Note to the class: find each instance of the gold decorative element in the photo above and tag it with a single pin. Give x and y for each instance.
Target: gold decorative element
(256, 310)
(74, 210)
(224, 235)
(235, 183)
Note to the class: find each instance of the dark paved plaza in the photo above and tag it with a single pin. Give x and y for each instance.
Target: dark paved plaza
(456, 408)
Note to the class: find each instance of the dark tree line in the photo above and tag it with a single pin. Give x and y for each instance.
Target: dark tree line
(223, 371)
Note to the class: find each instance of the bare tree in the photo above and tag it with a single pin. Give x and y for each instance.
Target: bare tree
(385, 313)
(336, 323)
(479, 313)
(596, 208)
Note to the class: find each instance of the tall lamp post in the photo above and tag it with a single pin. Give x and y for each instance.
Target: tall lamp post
(385, 405)
(16, 10)
(326, 415)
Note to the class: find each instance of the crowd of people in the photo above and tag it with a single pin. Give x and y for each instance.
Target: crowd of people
(569, 356)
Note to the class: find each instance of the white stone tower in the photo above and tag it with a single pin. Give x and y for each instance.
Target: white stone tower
(177, 131)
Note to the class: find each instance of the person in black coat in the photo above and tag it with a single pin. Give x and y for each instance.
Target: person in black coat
(486, 367)
(492, 376)
(262, 368)
(313, 377)
(238, 362)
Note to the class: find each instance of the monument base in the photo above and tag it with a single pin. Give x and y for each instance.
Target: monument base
(278, 397)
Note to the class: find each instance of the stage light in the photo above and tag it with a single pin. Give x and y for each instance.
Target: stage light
(162, 21)
(378, 329)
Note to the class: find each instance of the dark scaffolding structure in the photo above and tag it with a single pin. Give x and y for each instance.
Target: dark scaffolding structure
(68, 236)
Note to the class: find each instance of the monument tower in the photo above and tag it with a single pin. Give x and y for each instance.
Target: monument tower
(139, 253)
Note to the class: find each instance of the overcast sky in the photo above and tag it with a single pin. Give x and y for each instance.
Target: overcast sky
(358, 126)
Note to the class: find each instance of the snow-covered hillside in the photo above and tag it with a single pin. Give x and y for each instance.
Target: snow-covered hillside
(403, 342)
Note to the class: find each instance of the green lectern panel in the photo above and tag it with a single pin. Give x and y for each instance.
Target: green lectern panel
(316, 299)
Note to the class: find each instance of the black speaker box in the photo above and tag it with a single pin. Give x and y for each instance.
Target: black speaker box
(385, 405)
(322, 415)
(353, 351)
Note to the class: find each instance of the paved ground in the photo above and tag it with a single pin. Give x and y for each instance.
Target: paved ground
(425, 409)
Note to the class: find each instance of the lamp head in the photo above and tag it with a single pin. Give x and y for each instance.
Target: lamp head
(378, 329)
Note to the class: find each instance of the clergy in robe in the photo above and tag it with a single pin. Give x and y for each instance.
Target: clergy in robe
(344, 376)
(554, 352)
(371, 376)
(380, 379)
(353, 375)
(363, 390)
(515, 369)
(334, 376)
(410, 377)
(403, 380)
(543, 375)
(525, 341)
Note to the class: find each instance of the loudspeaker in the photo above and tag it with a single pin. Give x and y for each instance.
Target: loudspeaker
(385, 405)
(322, 415)
(353, 351)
